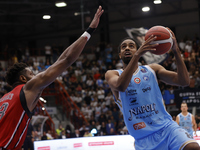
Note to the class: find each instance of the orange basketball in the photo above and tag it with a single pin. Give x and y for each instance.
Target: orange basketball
(163, 38)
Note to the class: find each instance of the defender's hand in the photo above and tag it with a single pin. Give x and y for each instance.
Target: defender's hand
(95, 21)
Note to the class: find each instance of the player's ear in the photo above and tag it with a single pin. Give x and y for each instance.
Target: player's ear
(120, 55)
(22, 78)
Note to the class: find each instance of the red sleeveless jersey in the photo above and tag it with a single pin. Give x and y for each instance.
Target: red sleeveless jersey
(14, 119)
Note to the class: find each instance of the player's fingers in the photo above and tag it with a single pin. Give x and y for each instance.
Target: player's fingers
(154, 45)
(170, 31)
(150, 39)
(99, 11)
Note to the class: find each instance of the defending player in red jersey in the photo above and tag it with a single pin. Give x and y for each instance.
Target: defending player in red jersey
(16, 106)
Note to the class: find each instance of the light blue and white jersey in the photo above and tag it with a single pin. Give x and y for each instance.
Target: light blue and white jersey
(142, 104)
(186, 122)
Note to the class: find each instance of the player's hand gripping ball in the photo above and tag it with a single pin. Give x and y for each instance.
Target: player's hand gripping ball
(163, 38)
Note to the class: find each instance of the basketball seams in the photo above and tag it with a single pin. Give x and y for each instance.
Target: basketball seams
(157, 32)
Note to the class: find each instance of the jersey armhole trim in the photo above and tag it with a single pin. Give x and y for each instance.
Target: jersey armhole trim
(152, 72)
(24, 104)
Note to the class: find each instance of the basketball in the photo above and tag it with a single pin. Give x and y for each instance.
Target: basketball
(163, 38)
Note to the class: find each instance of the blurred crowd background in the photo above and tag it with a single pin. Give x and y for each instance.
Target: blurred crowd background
(86, 85)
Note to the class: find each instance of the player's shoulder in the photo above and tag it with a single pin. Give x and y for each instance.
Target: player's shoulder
(155, 66)
(115, 71)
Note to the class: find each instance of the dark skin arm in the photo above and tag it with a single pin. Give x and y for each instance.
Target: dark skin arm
(34, 87)
(179, 78)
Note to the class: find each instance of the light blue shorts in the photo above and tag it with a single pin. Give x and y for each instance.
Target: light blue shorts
(172, 137)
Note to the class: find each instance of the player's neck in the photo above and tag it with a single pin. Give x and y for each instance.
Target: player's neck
(125, 65)
(184, 113)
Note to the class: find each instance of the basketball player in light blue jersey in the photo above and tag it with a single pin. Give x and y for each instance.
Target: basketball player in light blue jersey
(186, 120)
(138, 96)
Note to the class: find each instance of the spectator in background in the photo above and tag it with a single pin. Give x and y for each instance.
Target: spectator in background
(90, 82)
(108, 99)
(104, 109)
(76, 134)
(112, 131)
(87, 133)
(87, 99)
(78, 73)
(79, 63)
(83, 129)
(94, 103)
(108, 58)
(59, 130)
(95, 68)
(84, 110)
(119, 65)
(97, 111)
(96, 76)
(49, 135)
(100, 93)
(79, 89)
(182, 45)
(62, 135)
(68, 130)
(47, 64)
(44, 136)
(102, 118)
(99, 82)
(79, 100)
(115, 114)
(109, 125)
(188, 47)
(103, 129)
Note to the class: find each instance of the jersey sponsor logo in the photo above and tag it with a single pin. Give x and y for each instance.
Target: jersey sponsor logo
(137, 80)
(7, 97)
(146, 78)
(139, 125)
(146, 89)
(131, 92)
(133, 101)
(147, 109)
(143, 70)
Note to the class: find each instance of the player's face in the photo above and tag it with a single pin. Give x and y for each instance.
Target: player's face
(184, 107)
(128, 48)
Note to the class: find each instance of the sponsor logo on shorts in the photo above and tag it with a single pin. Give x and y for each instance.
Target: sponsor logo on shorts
(139, 125)
(137, 80)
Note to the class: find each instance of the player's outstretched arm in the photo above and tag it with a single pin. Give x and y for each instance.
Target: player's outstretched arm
(34, 87)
